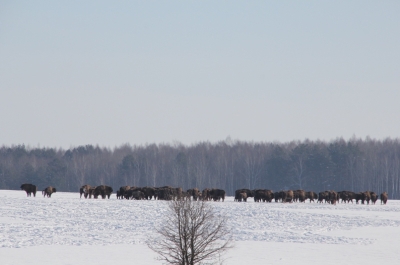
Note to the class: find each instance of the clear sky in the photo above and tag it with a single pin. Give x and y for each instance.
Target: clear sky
(113, 72)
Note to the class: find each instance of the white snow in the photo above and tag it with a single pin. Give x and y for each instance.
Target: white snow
(65, 229)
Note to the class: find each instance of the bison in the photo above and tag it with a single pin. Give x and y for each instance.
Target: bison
(365, 197)
(278, 196)
(384, 197)
(205, 195)
(194, 193)
(287, 196)
(149, 192)
(323, 195)
(122, 191)
(248, 192)
(137, 195)
(332, 197)
(311, 196)
(48, 191)
(263, 195)
(103, 190)
(217, 194)
(374, 197)
(300, 195)
(242, 197)
(164, 193)
(346, 196)
(84, 190)
(29, 189)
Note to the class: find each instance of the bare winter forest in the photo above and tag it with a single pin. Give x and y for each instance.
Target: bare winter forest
(355, 164)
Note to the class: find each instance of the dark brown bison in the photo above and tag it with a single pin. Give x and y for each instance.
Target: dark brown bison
(186, 196)
(357, 197)
(278, 196)
(102, 190)
(177, 193)
(194, 193)
(48, 191)
(332, 197)
(137, 195)
(29, 188)
(351, 196)
(268, 196)
(258, 195)
(242, 197)
(311, 196)
(263, 195)
(127, 194)
(217, 194)
(346, 196)
(374, 197)
(84, 190)
(149, 192)
(122, 191)
(205, 195)
(323, 195)
(248, 192)
(384, 197)
(365, 197)
(91, 191)
(164, 193)
(299, 195)
(287, 196)
(295, 195)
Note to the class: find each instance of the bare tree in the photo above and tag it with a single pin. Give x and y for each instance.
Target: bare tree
(299, 178)
(192, 234)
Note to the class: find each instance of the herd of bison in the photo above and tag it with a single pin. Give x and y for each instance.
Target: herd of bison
(241, 195)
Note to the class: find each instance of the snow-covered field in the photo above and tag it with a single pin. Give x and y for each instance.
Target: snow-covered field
(65, 229)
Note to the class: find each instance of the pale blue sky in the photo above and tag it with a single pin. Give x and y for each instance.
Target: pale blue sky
(100, 72)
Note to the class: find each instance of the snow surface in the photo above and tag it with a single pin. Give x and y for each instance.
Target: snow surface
(65, 229)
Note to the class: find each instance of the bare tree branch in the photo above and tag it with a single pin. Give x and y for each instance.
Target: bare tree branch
(191, 234)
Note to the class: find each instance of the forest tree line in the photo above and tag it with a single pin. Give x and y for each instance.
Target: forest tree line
(354, 164)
